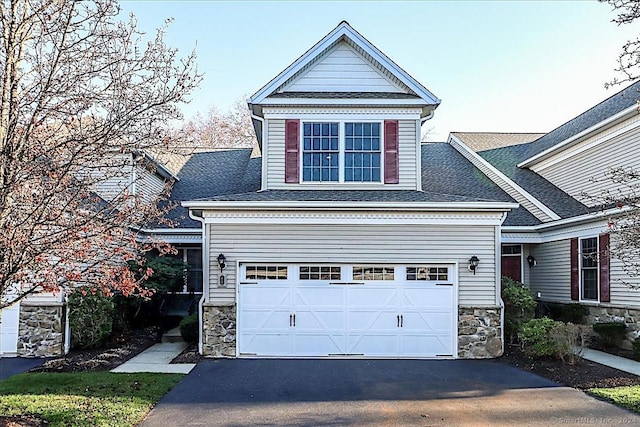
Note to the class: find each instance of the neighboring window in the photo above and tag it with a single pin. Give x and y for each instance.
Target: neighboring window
(192, 257)
(266, 272)
(589, 268)
(320, 152)
(325, 144)
(427, 273)
(362, 152)
(373, 273)
(324, 272)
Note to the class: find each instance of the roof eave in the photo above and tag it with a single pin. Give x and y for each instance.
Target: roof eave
(334, 206)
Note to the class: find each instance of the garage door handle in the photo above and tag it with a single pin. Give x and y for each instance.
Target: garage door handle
(398, 321)
(294, 320)
(291, 320)
(401, 320)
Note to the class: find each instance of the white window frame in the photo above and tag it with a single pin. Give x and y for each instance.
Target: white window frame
(581, 269)
(341, 152)
(183, 250)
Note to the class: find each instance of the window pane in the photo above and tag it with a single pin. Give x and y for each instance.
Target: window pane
(194, 258)
(362, 152)
(320, 152)
(590, 284)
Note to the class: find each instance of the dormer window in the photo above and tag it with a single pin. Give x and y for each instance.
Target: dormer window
(341, 152)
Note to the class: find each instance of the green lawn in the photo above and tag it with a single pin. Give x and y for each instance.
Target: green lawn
(627, 397)
(84, 399)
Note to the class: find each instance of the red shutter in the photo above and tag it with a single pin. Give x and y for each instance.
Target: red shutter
(391, 162)
(605, 294)
(575, 273)
(292, 148)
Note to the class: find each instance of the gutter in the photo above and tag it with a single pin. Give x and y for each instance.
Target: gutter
(357, 206)
(205, 273)
(567, 221)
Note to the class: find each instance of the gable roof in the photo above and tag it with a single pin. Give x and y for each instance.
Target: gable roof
(614, 108)
(480, 141)
(344, 32)
(505, 159)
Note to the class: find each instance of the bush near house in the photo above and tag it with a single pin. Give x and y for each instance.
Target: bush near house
(189, 328)
(610, 334)
(546, 337)
(519, 307)
(90, 317)
(568, 313)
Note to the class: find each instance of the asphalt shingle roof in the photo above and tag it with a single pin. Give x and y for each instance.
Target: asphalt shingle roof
(607, 108)
(345, 95)
(505, 160)
(479, 141)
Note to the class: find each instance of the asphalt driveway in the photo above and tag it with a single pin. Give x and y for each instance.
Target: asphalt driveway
(272, 392)
(10, 366)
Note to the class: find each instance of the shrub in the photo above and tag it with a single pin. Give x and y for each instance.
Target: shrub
(568, 313)
(636, 349)
(610, 334)
(90, 318)
(189, 328)
(519, 306)
(570, 340)
(535, 337)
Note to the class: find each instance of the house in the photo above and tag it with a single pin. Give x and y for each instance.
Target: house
(37, 326)
(348, 237)
(560, 178)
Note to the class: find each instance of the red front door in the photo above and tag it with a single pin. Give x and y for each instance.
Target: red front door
(512, 267)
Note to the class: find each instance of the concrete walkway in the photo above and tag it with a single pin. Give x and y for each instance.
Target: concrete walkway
(617, 362)
(157, 358)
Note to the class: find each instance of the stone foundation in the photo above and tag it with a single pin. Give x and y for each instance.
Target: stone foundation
(629, 316)
(219, 331)
(41, 330)
(479, 333)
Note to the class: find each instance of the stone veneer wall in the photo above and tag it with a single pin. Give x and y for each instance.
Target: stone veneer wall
(219, 331)
(479, 332)
(629, 316)
(41, 330)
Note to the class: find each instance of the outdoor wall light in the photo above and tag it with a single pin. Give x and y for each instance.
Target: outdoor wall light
(473, 264)
(532, 261)
(222, 261)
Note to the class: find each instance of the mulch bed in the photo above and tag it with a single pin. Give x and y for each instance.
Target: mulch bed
(115, 352)
(188, 355)
(583, 375)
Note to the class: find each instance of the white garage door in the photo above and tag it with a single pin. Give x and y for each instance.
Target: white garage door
(355, 310)
(9, 318)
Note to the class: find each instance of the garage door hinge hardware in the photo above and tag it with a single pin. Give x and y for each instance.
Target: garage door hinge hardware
(248, 283)
(444, 284)
(346, 283)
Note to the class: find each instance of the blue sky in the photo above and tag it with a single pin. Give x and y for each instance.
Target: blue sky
(497, 66)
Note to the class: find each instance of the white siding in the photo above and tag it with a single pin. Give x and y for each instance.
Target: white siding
(148, 184)
(348, 244)
(552, 275)
(342, 70)
(575, 173)
(621, 292)
(407, 140)
(113, 176)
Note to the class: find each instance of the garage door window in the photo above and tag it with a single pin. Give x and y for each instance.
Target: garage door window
(316, 272)
(427, 273)
(373, 273)
(266, 272)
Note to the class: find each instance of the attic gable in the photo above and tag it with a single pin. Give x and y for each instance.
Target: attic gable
(369, 70)
(341, 68)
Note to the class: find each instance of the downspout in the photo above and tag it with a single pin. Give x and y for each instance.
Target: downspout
(263, 150)
(499, 278)
(67, 326)
(419, 151)
(205, 273)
